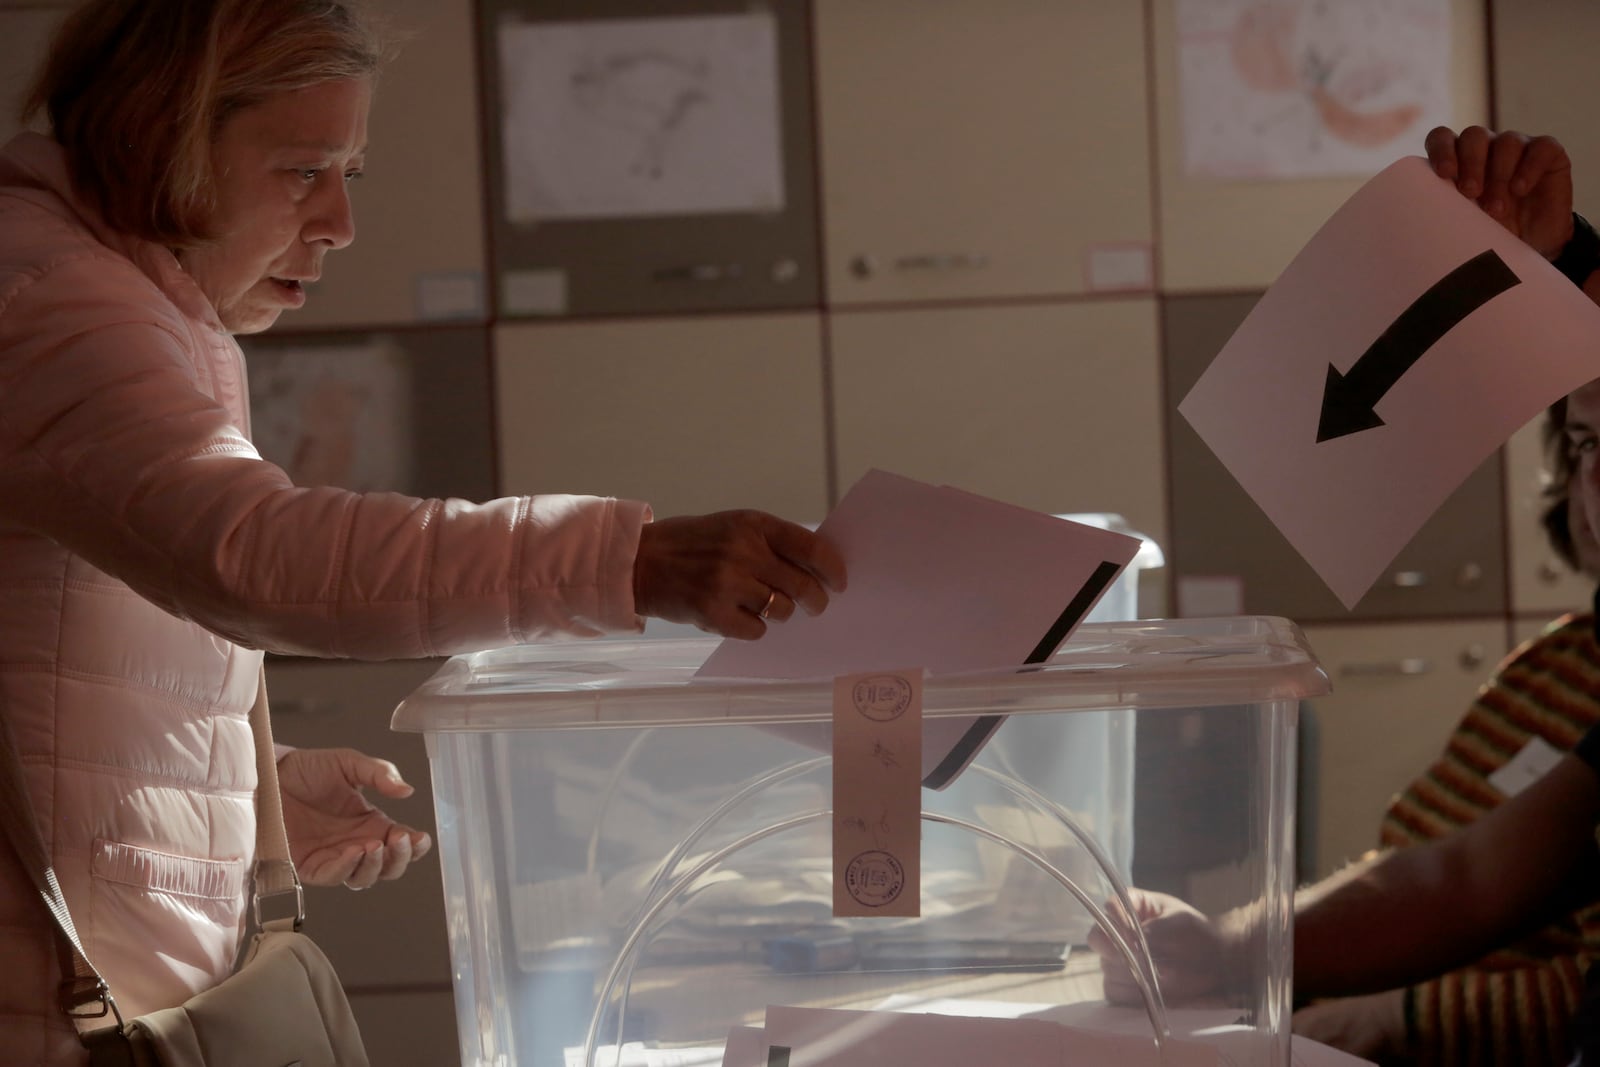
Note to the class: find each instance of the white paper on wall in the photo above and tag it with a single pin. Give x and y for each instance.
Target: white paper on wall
(1300, 88)
(638, 117)
(335, 414)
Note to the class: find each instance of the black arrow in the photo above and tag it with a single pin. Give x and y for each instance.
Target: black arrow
(1348, 399)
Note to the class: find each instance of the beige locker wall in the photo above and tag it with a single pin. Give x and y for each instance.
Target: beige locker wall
(25, 31)
(782, 410)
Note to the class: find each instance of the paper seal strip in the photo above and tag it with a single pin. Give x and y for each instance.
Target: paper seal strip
(877, 793)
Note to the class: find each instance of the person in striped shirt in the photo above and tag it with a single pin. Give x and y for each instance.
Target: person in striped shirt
(1476, 942)
(1516, 1003)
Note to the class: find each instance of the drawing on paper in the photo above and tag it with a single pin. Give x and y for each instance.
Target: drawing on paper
(1279, 88)
(651, 95)
(334, 415)
(635, 117)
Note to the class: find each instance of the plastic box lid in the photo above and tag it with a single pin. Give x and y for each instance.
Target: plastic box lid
(621, 684)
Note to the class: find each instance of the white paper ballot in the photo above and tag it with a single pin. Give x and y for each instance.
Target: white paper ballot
(827, 1037)
(941, 579)
(1409, 339)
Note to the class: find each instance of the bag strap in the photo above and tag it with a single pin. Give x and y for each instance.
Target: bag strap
(81, 985)
(274, 873)
(84, 993)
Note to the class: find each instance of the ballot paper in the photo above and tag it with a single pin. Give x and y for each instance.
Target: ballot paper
(1406, 342)
(940, 579)
(956, 1033)
(833, 1037)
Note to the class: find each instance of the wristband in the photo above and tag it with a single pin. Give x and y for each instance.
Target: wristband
(1580, 257)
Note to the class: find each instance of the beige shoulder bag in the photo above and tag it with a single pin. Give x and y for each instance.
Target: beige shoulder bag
(282, 1007)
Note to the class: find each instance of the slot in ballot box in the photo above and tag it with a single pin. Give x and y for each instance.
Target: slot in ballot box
(634, 863)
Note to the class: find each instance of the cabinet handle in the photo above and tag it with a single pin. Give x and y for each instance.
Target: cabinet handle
(1469, 575)
(700, 272)
(867, 266)
(1409, 579)
(1473, 656)
(1410, 665)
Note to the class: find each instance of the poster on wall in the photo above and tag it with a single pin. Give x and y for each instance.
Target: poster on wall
(639, 117)
(1309, 88)
(334, 415)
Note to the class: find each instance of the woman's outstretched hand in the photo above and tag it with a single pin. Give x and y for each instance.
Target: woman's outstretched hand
(733, 572)
(337, 836)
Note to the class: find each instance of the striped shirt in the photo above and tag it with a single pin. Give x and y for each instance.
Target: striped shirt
(1517, 1004)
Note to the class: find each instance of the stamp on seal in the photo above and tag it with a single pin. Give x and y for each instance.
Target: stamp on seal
(881, 697)
(874, 878)
(877, 794)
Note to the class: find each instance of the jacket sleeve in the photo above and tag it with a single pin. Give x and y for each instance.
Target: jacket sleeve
(109, 446)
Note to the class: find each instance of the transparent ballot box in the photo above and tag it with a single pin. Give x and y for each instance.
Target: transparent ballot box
(637, 861)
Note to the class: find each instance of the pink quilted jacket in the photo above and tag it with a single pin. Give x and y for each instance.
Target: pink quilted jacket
(147, 554)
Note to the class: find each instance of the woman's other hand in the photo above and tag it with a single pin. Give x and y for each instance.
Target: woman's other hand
(1372, 1027)
(336, 836)
(1522, 182)
(1188, 950)
(733, 572)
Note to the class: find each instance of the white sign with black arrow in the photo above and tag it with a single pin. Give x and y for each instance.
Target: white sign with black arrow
(1409, 339)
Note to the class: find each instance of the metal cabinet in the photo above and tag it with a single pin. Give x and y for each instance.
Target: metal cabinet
(650, 157)
(693, 414)
(24, 36)
(1398, 691)
(975, 152)
(1053, 406)
(1545, 81)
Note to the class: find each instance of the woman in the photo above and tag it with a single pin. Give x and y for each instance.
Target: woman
(193, 182)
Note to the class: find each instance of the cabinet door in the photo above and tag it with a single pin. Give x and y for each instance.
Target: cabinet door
(24, 38)
(692, 414)
(649, 157)
(1544, 78)
(1227, 557)
(1546, 81)
(407, 411)
(410, 1029)
(394, 934)
(1055, 407)
(975, 152)
(419, 249)
(1398, 692)
(1220, 233)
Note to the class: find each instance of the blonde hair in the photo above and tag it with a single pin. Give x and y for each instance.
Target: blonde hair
(136, 92)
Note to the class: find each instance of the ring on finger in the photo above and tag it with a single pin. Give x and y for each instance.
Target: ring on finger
(766, 609)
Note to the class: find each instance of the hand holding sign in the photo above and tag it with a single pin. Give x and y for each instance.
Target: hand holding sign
(1449, 331)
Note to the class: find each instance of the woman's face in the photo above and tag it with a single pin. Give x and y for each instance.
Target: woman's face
(281, 168)
(1582, 432)
(1585, 547)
